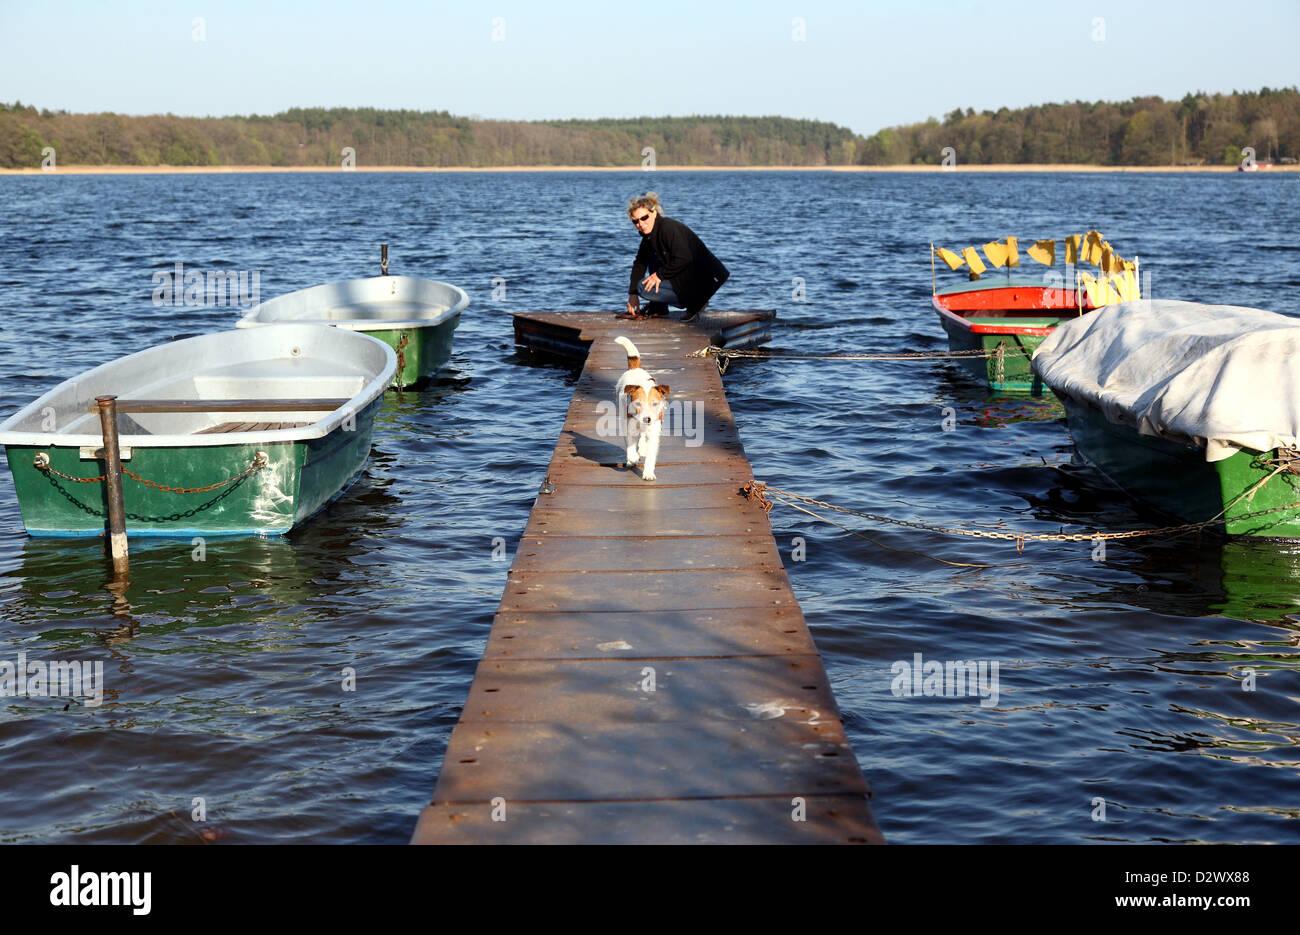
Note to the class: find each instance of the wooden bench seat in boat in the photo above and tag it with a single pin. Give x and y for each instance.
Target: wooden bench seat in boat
(226, 427)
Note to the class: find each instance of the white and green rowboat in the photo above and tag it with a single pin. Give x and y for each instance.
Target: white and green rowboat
(1193, 408)
(233, 433)
(415, 317)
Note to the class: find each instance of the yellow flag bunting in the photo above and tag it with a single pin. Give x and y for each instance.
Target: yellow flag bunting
(1092, 248)
(952, 259)
(1002, 254)
(973, 261)
(1079, 249)
(1072, 249)
(1044, 251)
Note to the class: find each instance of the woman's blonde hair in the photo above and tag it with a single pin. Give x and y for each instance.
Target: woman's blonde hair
(649, 201)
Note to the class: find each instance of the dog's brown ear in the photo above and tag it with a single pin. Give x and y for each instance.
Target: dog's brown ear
(633, 390)
(662, 389)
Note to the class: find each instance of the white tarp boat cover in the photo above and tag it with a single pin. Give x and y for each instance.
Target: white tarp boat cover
(1221, 376)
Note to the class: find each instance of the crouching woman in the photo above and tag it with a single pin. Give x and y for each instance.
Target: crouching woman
(672, 265)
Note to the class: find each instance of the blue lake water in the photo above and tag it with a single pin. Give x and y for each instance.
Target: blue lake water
(1119, 680)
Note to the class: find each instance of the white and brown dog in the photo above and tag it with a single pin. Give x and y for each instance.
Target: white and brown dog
(641, 401)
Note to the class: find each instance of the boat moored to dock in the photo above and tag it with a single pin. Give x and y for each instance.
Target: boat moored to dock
(1008, 316)
(415, 317)
(233, 433)
(1193, 408)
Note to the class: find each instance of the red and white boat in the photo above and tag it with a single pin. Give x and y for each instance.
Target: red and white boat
(1007, 316)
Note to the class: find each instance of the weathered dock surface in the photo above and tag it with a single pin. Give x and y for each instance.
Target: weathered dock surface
(649, 677)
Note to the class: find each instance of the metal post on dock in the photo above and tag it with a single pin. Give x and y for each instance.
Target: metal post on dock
(383, 259)
(117, 547)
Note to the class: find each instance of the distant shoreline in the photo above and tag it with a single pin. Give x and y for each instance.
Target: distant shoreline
(225, 170)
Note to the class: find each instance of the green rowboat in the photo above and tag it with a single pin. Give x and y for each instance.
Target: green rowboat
(1176, 479)
(415, 317)
(1000, 320)
(233, 433)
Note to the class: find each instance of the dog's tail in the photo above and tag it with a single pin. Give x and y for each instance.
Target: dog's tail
(633, 355)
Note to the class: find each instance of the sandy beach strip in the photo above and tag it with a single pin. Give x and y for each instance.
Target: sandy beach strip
(220, 170)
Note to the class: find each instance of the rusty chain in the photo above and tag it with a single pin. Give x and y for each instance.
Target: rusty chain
(42, 463)
(725, 355)
(712, 351)
(759, 492)
(101, 514)
(401, 355)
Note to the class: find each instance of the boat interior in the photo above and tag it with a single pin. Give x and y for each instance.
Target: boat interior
(380, 299)
(278, 394)
(384, 310)
(1026, 316)
(227, 427)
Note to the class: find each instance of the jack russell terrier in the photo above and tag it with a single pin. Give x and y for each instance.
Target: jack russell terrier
(643, 400)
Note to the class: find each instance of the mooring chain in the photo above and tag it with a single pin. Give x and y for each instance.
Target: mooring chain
(259, 462)
(758, 354)
(401, 351)
(101, 514)
(42, 463)
(759, 492)
(726, 355)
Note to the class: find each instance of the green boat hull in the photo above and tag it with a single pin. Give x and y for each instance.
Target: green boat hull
(1011, 372)
(1177, 480)
(421, 352)
(299, 479)
(1258, 582)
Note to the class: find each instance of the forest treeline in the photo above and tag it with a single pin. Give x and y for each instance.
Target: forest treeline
(1200, 129)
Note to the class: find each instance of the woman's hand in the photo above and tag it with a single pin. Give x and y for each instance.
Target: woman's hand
(652, 282)
(633, 306)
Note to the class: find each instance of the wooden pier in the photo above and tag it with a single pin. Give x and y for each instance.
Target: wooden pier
(649, 677)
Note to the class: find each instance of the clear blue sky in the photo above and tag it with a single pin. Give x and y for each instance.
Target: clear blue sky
(861, 65)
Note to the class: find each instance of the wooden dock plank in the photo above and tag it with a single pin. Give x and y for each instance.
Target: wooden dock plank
(755, 820)
(649, 676)
(669, 554)
(661, 495)
(594, 762)
(651, 593)
(684, 689)
(731, 631)
(549, 521)
(734, 472)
